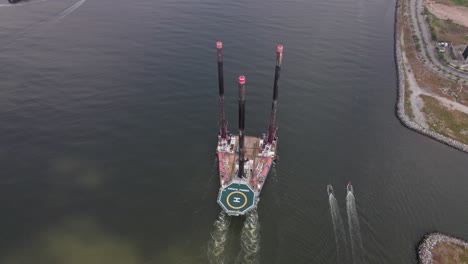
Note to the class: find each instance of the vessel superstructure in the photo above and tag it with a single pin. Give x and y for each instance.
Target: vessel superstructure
(244, 161)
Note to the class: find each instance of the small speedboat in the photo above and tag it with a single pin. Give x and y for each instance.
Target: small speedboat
(349, 187)
(329, 189)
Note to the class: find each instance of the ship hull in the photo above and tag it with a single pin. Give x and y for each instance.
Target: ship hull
(237, 196)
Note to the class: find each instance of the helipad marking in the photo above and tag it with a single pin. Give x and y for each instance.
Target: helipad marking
(236, 200)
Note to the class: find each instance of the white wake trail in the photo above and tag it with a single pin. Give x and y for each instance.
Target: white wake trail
(354, 229)
(219, 236)
(250, 240)
(342, 255)
(69, 10)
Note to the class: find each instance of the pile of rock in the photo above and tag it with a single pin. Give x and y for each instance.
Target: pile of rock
(428, 243)
(400, 107)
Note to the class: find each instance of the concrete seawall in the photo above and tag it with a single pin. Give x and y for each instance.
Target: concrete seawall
(430, 240)
(400, 106)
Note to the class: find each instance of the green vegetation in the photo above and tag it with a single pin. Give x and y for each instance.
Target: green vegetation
(426, 11)
(447, 253)
(416, 42)
(452, 55)
(464, 256)
(432, 21)
(442, 57)
(461, 2)
(408, 109)
(453, 124)
(446, 30)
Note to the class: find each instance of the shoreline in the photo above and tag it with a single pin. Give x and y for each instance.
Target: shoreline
(400, 106)
(430, 240)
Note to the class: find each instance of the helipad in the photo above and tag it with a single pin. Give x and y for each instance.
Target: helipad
(236, 198)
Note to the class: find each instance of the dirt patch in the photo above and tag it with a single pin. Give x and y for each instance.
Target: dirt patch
(458, 14)
(446, 30)
(415, 103)
(445, 253)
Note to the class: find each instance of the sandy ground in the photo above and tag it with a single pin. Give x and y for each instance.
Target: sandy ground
(453, 105)
(446, 253)
(458, 14)
(416, 101)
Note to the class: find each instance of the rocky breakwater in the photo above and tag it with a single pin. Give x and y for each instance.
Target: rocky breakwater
(430, 241)
(400, 107)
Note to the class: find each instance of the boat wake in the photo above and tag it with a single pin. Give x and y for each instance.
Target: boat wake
(340, 235)
(219, 237)
(250, 240)
(51, 19)
(69, 10)
(354, 229)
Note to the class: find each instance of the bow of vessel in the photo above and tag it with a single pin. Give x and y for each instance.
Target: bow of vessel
(349, 187)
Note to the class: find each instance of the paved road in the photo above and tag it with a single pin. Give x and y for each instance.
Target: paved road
(429, 53)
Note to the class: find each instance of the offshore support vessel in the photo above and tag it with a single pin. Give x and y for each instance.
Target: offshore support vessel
(244, 161)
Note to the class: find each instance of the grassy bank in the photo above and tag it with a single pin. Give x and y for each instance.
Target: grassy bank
(408, 108)
(450, 123)
(446, 30)
(453, 2)
(446, 253)
(461, 2)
